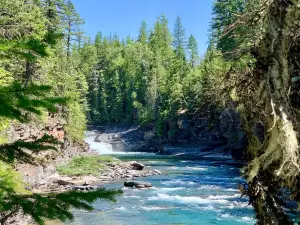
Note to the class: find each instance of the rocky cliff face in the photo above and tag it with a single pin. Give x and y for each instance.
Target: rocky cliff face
(128, 138)
(36, 174)
(231, 128)
(225, 130)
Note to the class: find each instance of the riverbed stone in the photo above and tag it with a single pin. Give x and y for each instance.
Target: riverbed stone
(137, 166)
(157, 172)
(137, 184)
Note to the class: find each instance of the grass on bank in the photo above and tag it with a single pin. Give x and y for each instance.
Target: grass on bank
(85, 165)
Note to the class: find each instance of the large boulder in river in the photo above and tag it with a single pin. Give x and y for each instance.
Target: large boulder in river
(98, 139)
(137, 184)
(137, 166)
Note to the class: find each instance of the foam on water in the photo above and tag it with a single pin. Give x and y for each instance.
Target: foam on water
(104, 148)
(154, 208)
(237, 205)
(224, 196)
(199, 190)
(196, 168)
(246, 218)
(132, 196)
(168, 189)
(100, 147)
(187, 199)
(231, 190)
(209, 187)
(181, 182)
(122, 208)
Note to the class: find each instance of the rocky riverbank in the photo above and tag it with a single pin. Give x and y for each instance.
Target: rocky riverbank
(42, 175)
(54, 182)
(115, 170)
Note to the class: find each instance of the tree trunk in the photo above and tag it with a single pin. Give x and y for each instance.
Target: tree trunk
(283, 143)
(28, 72)
(279, 158)
(69, 39)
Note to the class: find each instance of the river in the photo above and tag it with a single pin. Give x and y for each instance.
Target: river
(190, 192)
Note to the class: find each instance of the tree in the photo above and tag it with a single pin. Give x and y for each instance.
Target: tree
(52, 11)
(14, 101)
(31, 52)
(224, 15)
(72, 26)
(179, 42)
(278, 159)
(98, 42)
(160, 37)
(143, 34)
(193, 50)
(261, 38)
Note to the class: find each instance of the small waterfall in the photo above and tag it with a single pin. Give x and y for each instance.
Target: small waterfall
(101, 147)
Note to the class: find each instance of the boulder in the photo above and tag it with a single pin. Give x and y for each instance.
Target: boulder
(98, 139)
(137, 184)
(129, 184)
(137, 166)
(83, 188)
(157, 172)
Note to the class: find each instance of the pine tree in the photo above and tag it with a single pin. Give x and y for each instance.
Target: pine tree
(159, 84)
(179, 41)
(193, 50)
(143, 34)
(160, 37)
(98, 42)
(15, 101)
(224, 14)
(53, 10)
(72, 26)
(27, 45)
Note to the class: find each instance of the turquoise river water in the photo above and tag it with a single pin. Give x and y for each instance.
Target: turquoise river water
(188, 192)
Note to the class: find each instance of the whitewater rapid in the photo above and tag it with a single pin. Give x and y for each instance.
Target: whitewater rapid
(192, 192)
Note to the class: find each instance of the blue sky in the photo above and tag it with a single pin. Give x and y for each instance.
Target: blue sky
(125, 16)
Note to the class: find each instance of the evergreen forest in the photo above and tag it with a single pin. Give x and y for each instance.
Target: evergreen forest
(48, 66)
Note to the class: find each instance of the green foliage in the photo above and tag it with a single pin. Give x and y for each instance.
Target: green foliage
(54, 206)
(10, 180)
(193, 50)
(4, 125)
(143, 81)
(179, 42)
(224, 15)
(39, 207)
(71, 23)
(76, 123)
(85, 165)
(19, 150)
(15, 100)
(41, 71)
(143, 33)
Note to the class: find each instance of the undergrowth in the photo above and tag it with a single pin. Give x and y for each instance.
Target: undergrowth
(85, 165)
